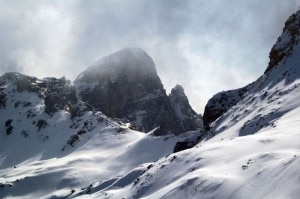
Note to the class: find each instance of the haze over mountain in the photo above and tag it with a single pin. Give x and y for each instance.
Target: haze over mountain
(206, 46)
(126, 85)
(60, 140)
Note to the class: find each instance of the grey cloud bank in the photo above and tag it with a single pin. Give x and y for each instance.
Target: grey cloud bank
(206, 46)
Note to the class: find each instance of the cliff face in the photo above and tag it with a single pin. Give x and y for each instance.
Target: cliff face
(118, 80)
(125, 85)
(188, 119)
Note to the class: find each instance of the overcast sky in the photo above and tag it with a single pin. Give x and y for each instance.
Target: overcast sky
(205, 46)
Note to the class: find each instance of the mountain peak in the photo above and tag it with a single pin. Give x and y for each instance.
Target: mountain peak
(129, 61)
(178, 90)
(126, 54)
(135, 51)
(187, 117)
(125, 85)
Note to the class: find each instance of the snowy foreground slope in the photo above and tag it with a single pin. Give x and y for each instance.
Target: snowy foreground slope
(265, 165)
(256, 155)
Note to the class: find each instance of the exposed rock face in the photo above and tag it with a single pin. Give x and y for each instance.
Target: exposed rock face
(286, 42)
(115, 81)
(188, 119)
(58, 94)
(285, 49)
(221, 103)
(125, 85)
(2, 97)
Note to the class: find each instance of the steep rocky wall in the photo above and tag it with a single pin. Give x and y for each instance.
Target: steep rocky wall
(188, 119)
(125, 85)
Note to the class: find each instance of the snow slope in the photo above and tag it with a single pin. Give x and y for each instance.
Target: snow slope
(49, 156)
(35, 168)
(263, 164)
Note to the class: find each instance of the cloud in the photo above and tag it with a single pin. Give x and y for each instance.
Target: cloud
(206, 46)
(33, 37)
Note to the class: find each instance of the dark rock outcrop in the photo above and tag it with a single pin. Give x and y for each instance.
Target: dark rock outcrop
(9, 127)
(180, 146)
(58, 94)
(221, 103)
(188, 119)
(80, 108)
(286, 42)
(125, 85)
(2, 98)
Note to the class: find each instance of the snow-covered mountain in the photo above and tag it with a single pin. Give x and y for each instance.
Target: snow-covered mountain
(250, 148)
(52, 142)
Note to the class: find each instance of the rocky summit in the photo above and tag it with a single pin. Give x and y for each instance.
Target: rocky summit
(188, 119)
(125, 85)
